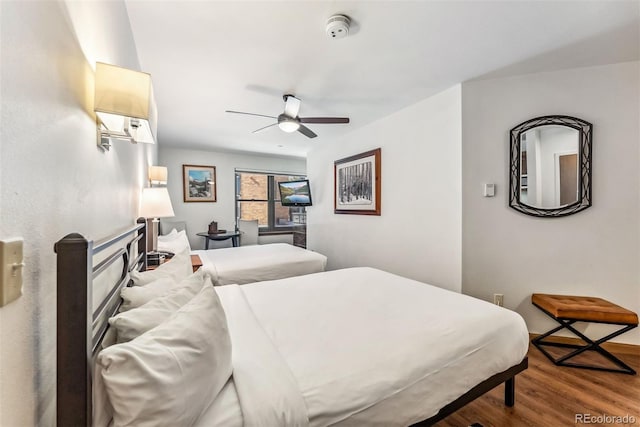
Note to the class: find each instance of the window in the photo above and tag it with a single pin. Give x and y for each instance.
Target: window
(258, 197)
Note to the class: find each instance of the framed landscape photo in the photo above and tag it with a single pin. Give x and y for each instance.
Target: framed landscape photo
(199, 183)
(357, 183)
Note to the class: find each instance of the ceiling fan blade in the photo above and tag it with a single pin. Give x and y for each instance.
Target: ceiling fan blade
(291, 106)
(249, 114)
(324, 120)
(263, 128)
(306, 131)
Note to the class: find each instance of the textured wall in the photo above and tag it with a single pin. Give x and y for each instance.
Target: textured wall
(54, 179)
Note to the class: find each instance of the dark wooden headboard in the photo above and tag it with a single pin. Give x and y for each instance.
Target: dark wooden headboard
(81, 327)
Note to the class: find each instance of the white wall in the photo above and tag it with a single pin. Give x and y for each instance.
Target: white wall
(595, 252)
(54, 179)
(418, 233)
(199, 215)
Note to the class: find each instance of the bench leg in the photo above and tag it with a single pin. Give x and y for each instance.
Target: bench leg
(579, 349)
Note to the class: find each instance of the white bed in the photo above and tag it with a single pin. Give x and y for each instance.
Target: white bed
(248, 264)
(351, 347)
(360, 346)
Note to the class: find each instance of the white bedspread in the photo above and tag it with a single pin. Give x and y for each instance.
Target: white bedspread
(367, 347)
(248, 264)
(268, 392)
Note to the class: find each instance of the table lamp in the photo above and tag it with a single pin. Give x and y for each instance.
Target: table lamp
(155, 203)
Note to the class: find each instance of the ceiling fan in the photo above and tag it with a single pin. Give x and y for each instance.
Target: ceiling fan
(289, 121)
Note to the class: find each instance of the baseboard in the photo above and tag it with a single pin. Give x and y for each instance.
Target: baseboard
(613, 347)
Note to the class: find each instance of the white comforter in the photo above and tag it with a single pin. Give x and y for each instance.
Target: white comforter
(248, 264)
(268, 392)
(359, 347)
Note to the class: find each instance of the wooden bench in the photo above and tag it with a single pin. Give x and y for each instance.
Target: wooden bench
(567, 310)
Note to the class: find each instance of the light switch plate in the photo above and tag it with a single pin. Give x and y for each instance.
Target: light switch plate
(10, 270)
(489, 190)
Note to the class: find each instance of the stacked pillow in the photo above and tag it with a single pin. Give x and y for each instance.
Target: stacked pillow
(174, 352)
(145, 307)
(175, 242)
(178, 268)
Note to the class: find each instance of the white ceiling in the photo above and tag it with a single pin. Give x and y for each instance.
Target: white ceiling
(209, 56)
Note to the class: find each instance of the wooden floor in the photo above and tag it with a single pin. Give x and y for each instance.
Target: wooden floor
(550, 396)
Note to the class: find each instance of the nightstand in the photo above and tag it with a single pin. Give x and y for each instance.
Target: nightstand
(155, 260)
(196, 262)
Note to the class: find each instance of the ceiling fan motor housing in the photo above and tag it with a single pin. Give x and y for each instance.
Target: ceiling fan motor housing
(338, 26)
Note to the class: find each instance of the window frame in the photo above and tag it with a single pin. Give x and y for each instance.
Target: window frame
(273, 197)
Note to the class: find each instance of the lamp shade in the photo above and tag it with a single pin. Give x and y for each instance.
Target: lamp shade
(155, 203)
(158, 174)
(124, 101)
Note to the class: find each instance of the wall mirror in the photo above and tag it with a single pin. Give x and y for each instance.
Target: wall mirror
(550, 166)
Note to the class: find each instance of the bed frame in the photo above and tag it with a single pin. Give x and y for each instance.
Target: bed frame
(507, 377)
(81, 329)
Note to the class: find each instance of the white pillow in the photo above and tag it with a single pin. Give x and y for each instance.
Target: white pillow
(174, 243)
(177, 268)
(171, 235)
(135, 296)
(133, 323)
(172, 373)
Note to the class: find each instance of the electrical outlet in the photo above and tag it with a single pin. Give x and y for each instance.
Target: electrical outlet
(498, 299)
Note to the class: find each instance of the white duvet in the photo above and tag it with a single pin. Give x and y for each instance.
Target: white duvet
(248, 264)
(357, 347)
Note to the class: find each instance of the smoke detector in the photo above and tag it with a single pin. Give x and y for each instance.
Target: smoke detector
(338, 26)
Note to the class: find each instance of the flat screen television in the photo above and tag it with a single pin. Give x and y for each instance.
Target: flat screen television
(295, 193)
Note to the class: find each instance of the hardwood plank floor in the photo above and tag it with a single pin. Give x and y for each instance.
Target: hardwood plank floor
(551, 396)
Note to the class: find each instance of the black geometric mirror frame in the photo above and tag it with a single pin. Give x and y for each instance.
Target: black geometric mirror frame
(585, 130)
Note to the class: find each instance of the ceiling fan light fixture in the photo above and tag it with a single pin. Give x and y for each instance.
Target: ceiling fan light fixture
(290, 122)
(289, 126)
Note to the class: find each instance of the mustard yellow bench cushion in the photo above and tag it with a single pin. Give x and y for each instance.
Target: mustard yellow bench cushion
(588, 309)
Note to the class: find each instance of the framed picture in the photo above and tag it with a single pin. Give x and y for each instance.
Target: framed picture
(199, 183)
(357, 183)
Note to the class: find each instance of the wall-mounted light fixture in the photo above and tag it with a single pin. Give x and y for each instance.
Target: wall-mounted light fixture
(125, 105)
(157, 175)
